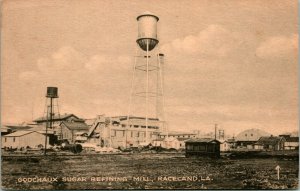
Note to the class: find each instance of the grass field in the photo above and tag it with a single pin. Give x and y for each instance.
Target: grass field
(146, 171)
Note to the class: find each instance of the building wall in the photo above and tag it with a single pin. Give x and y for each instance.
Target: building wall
(117, 134)
(69, 135)
(258, 147)
(32, 140)
(291, 145)
(131, 136)
(57, 122)
(202, 149)
(179, 136)
(224, 146)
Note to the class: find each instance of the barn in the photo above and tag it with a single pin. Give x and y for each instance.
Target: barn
(23, 139)
(202, 147)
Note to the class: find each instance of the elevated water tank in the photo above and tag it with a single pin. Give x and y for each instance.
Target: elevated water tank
(52, 92)
(147, 31)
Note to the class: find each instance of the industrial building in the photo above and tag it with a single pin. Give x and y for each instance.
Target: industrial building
(270, 143)
(170, 143)
(291, 143)
(72, 132)
(249, 137)
(202, 147)
(173, 139)
(57, 119)
(120, 132)
(224, 145)
(23, 139)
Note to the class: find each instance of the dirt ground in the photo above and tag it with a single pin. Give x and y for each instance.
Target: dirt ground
(146, 171)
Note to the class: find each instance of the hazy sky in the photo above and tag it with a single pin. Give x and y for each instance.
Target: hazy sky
(234, 62)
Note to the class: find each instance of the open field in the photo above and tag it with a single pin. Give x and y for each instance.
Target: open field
(146, 171)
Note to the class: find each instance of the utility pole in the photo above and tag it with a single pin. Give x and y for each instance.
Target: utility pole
(47, 123)
(216, 131)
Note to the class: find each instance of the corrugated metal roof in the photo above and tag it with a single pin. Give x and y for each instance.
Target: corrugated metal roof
(182, 139)
(121, 118)
(292, 139)
(76, 125)
(19, 133)
(177, 133)
(56, 117)
(269, 140)
(202, 140)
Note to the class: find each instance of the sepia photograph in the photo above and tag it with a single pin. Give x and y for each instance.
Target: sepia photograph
(149, 94)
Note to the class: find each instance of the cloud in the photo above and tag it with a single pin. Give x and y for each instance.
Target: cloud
(27, 75)
(95, 62)
(67, 64)
(65, 58)
(278, 47)
(215, 40)
(104, 62)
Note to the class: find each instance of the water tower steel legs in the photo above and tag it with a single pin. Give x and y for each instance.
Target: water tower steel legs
(130, 96)
(147, 90)
(46, 131)
(49, 122)
(164, 126)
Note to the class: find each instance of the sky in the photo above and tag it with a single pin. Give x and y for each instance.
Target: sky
(233, 63)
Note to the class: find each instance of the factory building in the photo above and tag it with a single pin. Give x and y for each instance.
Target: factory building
(57, 119)
(72, 132)
(119, 132)
(249, 137)
(170, 142)
(23, 139)
(271, 143)
(173, 139)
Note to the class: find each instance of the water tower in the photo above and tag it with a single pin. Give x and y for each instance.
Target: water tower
(147, 79)
(52, 94)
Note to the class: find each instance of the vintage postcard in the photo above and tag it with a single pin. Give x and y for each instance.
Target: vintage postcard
(158, 94)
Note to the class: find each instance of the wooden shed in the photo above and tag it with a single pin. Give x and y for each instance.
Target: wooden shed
(23, 139)
(206, 147)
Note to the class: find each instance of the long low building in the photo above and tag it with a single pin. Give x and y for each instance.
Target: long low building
(23, 139)
(202, 147)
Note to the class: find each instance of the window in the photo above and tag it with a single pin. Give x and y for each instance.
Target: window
(189, 147)
(246, 135)
(131, 133)
(202, 148)
(113, 133)
(251, 135)
(5, 139)
(14, 139)
(196, 148)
